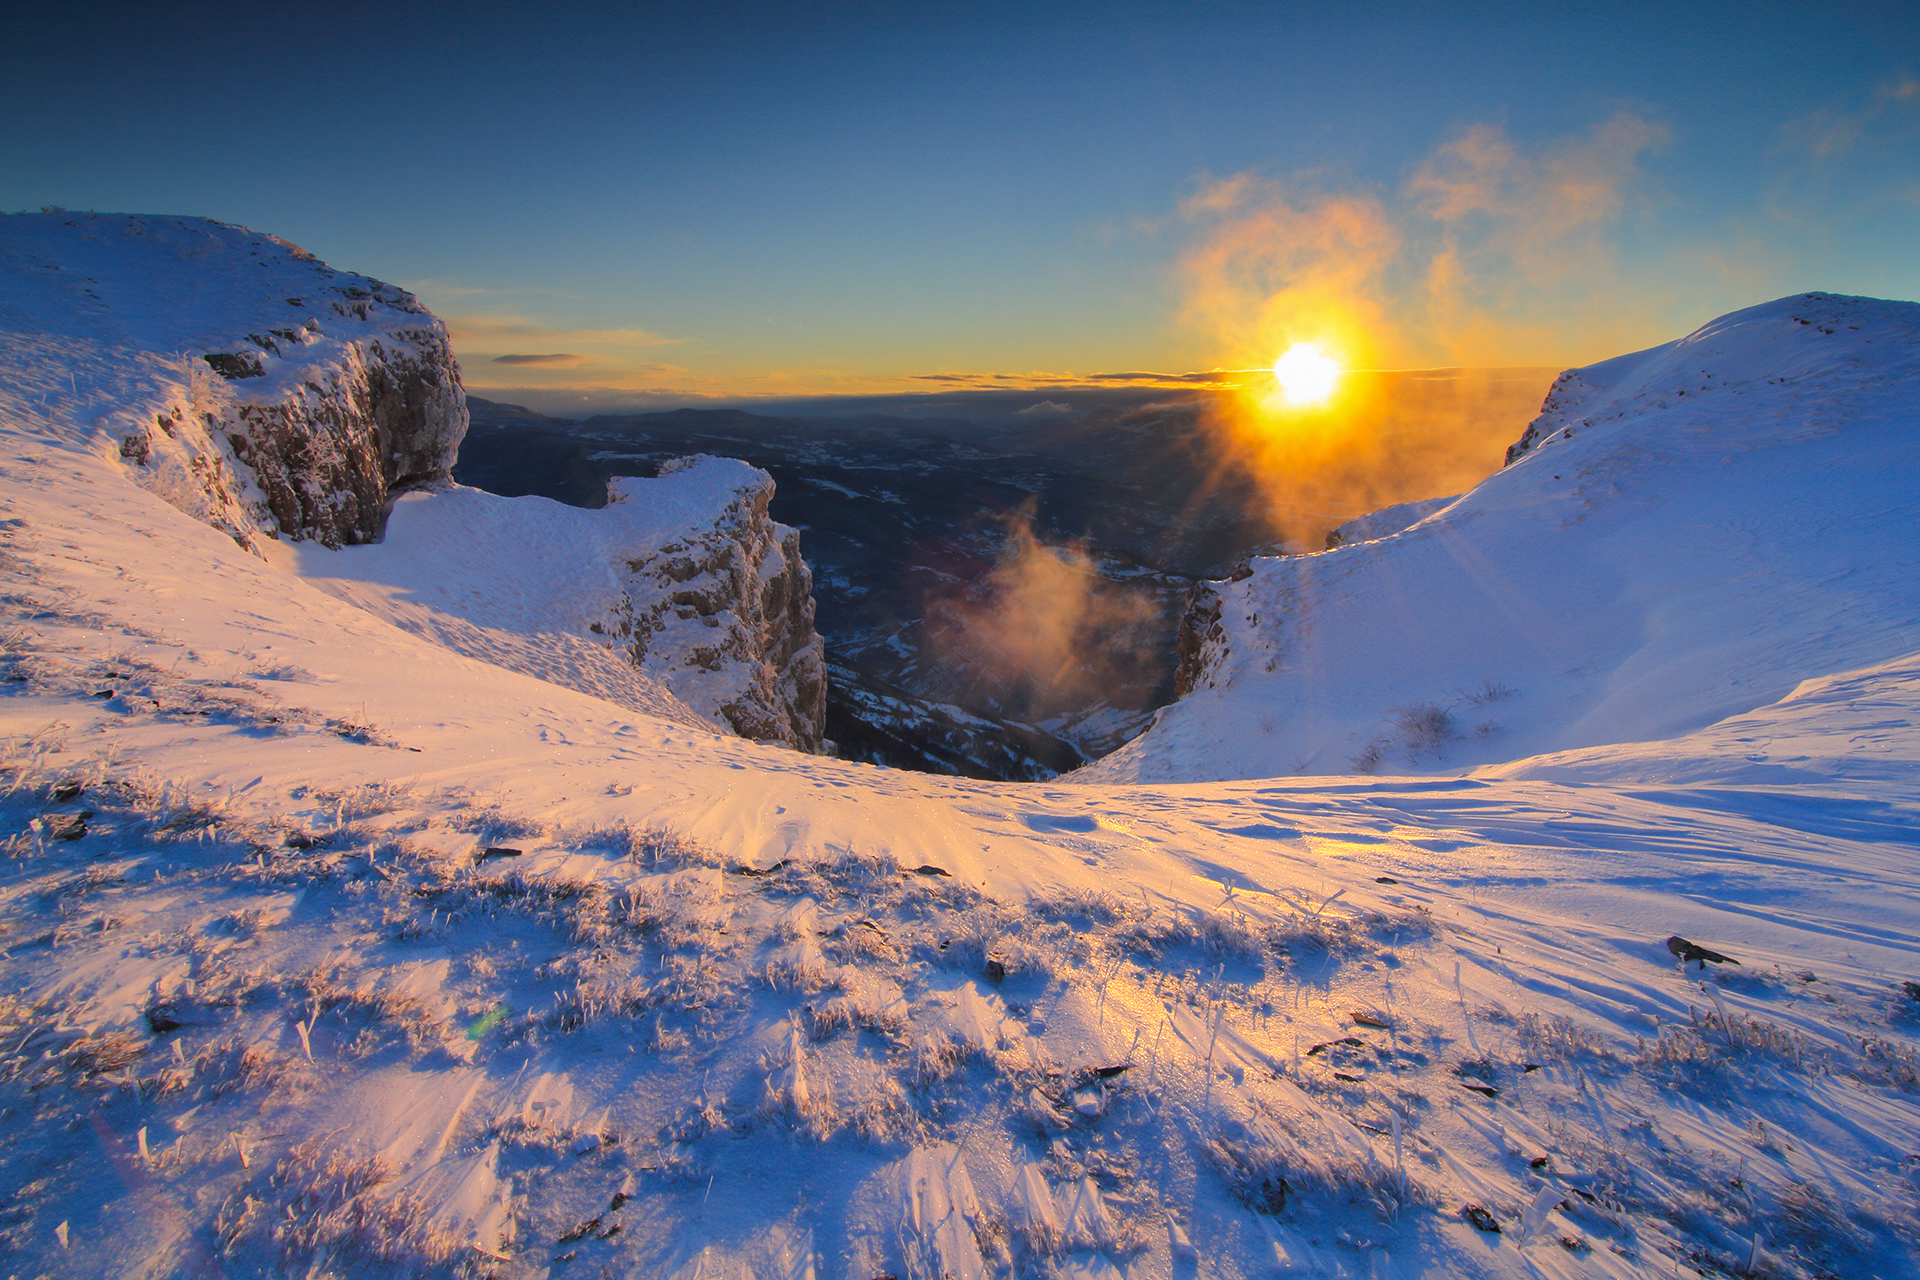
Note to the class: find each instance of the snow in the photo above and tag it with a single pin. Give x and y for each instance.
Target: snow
(519, 582)
(1699, 528)
(1388, 521)
(112, 325)
(385, 948)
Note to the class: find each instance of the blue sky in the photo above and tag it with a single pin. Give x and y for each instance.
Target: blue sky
(690, 200)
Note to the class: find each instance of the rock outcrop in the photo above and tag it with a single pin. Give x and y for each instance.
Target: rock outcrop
(725, 616)
(264, 393)
(277, 397)
(384, 414)
(1200, 638)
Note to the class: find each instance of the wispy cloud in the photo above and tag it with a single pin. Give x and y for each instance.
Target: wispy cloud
(482, 331)
(1833, 132)
(1490, 253)
(436, 291)
(1848, 161)
(1044, 381)
(494, 348)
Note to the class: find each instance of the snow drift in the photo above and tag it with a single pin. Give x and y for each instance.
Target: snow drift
(1684, 534)
(684, 579)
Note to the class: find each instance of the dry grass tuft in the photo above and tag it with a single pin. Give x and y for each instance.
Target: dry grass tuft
(322, 1209)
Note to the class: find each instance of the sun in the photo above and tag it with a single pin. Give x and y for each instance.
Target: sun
(1306, 373)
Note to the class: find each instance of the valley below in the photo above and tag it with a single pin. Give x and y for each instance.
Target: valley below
(1002, 598)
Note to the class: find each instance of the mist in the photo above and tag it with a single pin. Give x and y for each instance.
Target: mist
(1045, 633)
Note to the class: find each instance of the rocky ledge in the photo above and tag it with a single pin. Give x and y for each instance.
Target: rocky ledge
(725, 615)
(267, 393)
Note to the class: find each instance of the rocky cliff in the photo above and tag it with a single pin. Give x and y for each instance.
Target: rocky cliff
(262, 391)
(679, 598)
(725, 615)
(272, 397)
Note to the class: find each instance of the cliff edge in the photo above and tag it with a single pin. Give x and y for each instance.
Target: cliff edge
(233, 374)
(279, 400)
(681, 585)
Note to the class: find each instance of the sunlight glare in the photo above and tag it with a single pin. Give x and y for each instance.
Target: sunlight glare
(1306, 373)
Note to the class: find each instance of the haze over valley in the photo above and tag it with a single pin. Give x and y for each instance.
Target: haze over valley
(1001, 597)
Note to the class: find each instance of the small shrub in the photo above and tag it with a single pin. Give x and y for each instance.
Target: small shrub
(1488, 691)
(325, 1206)
(1889, 1063)
(1267, 1169)
(1559, 1039)
(1425, 727)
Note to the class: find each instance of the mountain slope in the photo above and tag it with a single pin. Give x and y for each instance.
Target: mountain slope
(329, 948)
(243, 380)
(1684, 534)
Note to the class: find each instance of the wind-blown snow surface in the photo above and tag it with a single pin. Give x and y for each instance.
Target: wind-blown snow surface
(332, 950)
(1691, 531)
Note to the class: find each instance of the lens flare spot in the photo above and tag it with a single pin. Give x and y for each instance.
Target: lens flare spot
(1307, 374)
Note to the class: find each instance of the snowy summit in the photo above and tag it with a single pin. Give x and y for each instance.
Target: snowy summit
(1684, 534)
(393, 883)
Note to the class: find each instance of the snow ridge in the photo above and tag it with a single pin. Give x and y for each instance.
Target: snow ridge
(683, 580)
(1683, 534)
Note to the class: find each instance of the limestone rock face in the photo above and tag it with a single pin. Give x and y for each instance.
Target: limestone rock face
(263, 392)
(327, 457)
(1201, 639)
(725, 616)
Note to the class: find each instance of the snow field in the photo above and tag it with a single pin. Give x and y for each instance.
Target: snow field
(1693, 531)
(339, 940)
(435, 1060)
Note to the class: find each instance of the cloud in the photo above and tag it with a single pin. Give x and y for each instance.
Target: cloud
(1050, 381)
(1831, 132)
(441, 289)
(1847, 163)
(1273, 263)
(1042, 630)
(480, 331)
(1216, 377)
(1490, 253)
(489, 346)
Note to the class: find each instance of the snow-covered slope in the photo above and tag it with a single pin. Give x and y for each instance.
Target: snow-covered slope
(240, 378)
(1387, 521)
(684, 579)
(1683, 535)
(329, 948)
(271, 396)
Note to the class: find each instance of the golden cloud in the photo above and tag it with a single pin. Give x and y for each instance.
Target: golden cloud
(1489, 254)
(480, 331)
